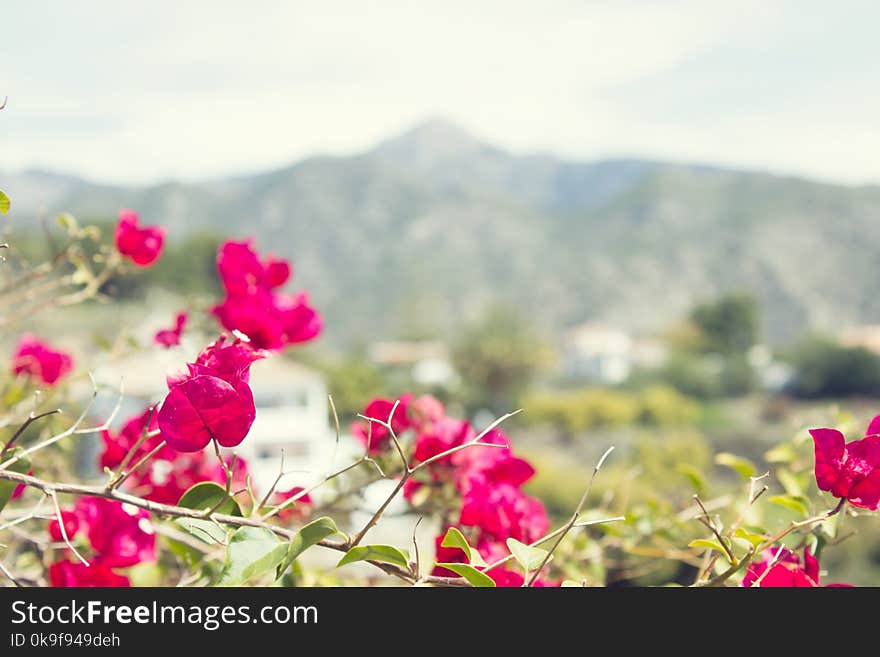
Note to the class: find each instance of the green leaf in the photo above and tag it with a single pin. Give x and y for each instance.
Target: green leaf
(707, 543)
(796, 503)
(252, 552)
(7, 488)
(780, 454)
(383, 553)
(310, 534)
(454, 538)
(754, 538)
(206, 531)
(4, 202)
(743, 466)
(790, 482)
(570, 584)
(694, 476)
(471, 574)
(527, 556)
(206, 495)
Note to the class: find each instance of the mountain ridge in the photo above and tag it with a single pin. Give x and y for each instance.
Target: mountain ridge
(427, 227)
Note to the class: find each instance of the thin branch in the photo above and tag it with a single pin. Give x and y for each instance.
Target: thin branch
(338, 433)
(272, 488)
(30, 515)
(115, 480)
(137, 466)
(706, 520)
(294, 498)
(30, 420)
(3, 569)
(71, 430)
(391, 432)
(471, 443)
(418, 564)
(574, 518)
(180, 512)
(378, 514)
(63, 529)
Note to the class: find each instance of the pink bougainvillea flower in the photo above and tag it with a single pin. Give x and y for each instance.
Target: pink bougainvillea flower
(206, 408)
(142, 245)
(71, 526)
(73, 574)
(275, 272)
(425, 411)
(491, 464)
(378, 436)
(271, 321)
(443, 435)
(253, 306)
(35, 359)
(503, 511)
(849, 471)
(300, 509)
(120, 534)
(211, 398)
(239, 267)
(781, 567)
(171, 337)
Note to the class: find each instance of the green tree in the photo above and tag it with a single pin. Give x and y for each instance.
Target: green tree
(497, 357)
(353, 382)
(823, 368)
(729, 325)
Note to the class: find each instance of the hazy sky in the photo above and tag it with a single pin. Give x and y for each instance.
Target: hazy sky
(142, 91)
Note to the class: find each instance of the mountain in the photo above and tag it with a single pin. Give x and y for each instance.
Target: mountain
(422, 231)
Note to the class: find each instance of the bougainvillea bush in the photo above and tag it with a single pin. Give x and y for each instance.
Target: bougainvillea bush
(176, 505)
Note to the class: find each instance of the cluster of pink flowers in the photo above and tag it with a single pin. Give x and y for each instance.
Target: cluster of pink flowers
(484, 482)
(143, 246)
(119, 536)
(781, 567)
(37, 360)
(210, 399)
(849, 471)
(168, 474)
(253, 305)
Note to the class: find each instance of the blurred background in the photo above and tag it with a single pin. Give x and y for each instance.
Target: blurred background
(652, 225)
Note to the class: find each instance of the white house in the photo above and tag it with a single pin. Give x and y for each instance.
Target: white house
(601, 353)
(292, 418)
(427, 361)
(597, 352)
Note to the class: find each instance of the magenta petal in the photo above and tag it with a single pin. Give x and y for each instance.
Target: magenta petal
(874, 427)
(514, 471)
(830, 449)
(203, 408)
(863, 456)
(866, 493)
(811, 566)
(236, 419)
